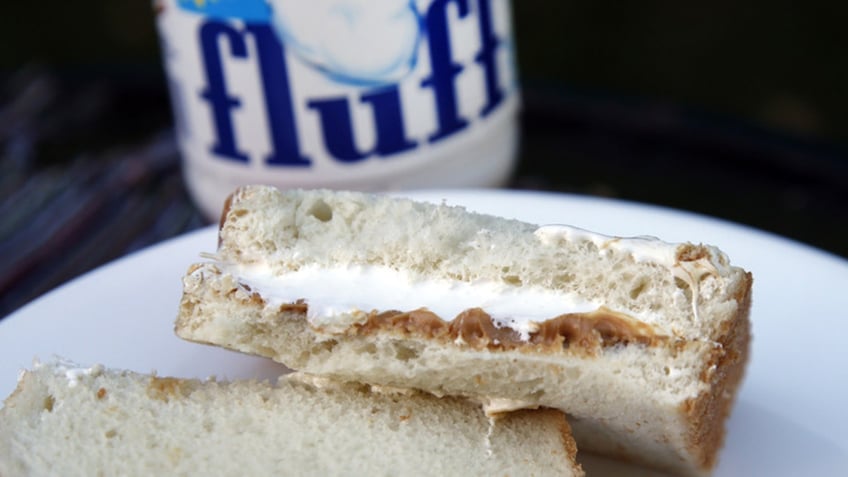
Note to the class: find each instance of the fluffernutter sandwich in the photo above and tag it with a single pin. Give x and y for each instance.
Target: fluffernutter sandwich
(643, 343)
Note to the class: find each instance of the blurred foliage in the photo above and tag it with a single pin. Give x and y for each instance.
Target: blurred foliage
(780, 63)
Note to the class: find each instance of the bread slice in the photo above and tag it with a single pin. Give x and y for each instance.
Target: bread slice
(642, 342)
(70, 421)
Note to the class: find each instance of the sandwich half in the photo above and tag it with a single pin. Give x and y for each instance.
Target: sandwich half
(642, 342)
(72, 421)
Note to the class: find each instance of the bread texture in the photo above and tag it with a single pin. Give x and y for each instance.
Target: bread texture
(71, 421)
(643, 343)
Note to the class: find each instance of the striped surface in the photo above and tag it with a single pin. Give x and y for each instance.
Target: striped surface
(63, 220)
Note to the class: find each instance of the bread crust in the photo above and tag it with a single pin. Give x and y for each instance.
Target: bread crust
(709, 411)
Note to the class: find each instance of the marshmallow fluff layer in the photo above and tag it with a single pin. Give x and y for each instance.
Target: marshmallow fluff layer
(340, 295)
(333, 301)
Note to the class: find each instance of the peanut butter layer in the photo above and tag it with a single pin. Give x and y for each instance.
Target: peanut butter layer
(582, 332)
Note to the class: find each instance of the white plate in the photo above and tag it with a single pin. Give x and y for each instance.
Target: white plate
(790, 418)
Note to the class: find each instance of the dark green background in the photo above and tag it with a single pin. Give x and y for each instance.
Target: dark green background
(782, 64)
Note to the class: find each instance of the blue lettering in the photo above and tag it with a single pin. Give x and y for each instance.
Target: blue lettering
(278, 102)
(334, 112)
(443, 69)
(337, 128)
(391, 135)
(216, 90)
(486, 57)
(337, 125)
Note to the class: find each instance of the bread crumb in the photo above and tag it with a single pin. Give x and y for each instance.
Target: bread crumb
(175, 454)
(49, 401)
(164, 389)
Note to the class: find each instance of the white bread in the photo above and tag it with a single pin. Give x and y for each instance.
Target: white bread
(70, 421)
(642, 342)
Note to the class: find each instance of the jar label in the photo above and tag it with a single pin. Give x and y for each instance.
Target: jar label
(338, 86)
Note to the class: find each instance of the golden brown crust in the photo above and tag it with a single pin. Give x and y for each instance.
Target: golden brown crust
(228, 204)
(225, 210)
(707, 413)
(565, 430)
(568, 439)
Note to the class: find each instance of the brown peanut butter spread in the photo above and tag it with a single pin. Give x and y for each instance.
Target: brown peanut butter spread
(586, 332)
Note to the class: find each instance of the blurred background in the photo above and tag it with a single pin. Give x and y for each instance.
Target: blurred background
(737, 110)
